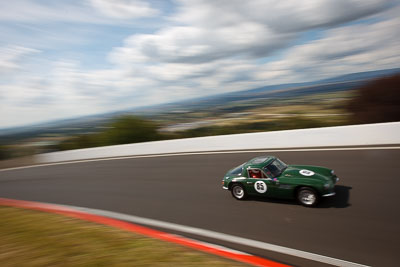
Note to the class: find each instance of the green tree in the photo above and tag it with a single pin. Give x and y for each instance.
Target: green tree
(129, 129)
(123, 130)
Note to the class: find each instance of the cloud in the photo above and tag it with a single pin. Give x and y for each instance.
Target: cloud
(92, 11)
(186, 44)
(340, 50)
(206, 47)
(278, 15)
(353, 48)
(218, 43)
(213, 30)
(126, 9)
(11, 58)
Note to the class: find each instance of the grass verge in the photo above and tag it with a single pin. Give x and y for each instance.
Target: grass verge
(33, 238)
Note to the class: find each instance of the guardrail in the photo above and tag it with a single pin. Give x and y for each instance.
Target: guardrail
(355, 135)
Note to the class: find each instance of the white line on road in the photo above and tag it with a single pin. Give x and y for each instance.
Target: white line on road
(205, 153)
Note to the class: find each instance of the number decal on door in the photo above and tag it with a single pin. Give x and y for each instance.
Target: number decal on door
(260, 187)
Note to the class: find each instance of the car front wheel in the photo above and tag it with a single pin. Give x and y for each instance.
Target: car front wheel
(238, 192)
(307, 197)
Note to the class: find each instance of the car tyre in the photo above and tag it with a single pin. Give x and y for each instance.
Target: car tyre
(307, 197)
(238, 192)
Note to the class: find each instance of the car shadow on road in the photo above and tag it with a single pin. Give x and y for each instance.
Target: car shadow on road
(340, 200)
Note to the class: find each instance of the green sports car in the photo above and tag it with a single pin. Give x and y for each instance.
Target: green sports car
(270, 177)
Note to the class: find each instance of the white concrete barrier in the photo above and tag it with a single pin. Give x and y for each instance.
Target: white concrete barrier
(355, 135)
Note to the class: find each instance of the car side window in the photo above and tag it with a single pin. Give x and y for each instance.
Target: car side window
(256, 173)
(269, 174)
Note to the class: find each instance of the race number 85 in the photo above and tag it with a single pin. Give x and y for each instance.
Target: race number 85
(260, 187)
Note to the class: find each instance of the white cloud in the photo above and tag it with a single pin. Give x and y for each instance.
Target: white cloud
(212, 30)
(349, 49)
(126, 9)
(185, 44)
(208, 47)
(217, 43)
(74, 11)
(38, 12)
(11, 58)
(287, 15)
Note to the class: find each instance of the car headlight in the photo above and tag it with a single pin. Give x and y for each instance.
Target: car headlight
(332, 172)
(327, 185)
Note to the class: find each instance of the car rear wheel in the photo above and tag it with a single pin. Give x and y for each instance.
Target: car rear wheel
(238, 192)
(307, 197)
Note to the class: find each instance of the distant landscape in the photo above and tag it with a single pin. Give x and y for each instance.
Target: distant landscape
(341, 100)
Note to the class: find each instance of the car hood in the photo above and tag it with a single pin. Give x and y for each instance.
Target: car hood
(307, 171)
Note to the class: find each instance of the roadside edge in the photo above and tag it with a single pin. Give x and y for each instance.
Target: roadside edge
(186, 242)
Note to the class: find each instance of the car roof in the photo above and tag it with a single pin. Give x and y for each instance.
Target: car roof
(259, 162)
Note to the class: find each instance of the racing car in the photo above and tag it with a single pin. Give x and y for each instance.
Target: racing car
(270, 177)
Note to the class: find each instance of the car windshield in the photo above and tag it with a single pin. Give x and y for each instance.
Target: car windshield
(237, 171)
(275, 168)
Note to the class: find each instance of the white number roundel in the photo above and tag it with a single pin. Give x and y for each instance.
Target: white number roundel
(306, 173)
(260, 187)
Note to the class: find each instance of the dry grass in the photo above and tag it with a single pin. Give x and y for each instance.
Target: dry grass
(32, 238)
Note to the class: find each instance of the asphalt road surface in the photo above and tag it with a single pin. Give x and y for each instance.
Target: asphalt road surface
(360, 224)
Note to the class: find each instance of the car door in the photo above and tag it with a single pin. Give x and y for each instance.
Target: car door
(284, 188)
(259, 184)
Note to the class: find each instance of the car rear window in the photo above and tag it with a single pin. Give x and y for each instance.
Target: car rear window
(237, 171)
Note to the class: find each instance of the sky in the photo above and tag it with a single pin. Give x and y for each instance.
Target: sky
(64, 59)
